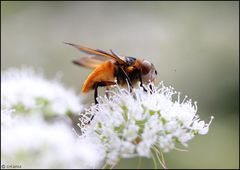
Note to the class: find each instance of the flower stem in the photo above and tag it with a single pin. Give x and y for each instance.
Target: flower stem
(139, 162)
(160, 160)
(154, 159)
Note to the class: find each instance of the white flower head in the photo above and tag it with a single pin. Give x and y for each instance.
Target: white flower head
(28, 92)
(132, 124)
(35, 143)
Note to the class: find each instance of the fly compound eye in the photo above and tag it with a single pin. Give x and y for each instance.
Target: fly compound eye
(146, 67)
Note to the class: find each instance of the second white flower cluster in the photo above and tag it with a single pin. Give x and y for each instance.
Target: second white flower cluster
(36, 125)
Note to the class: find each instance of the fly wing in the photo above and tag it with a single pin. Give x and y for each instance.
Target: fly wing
(90, 62)
(99, 53)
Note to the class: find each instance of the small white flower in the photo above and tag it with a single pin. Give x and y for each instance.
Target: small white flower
(143, 149)
(28, 92)
(132, 124)
(201, 126)
(127, 148)
(131, 131)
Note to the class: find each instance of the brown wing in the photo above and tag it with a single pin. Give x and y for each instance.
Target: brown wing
(90, 62)
(98, 53)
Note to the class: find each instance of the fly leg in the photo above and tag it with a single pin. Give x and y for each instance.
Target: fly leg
(96, 92)
(140, 79)
(107, 93)
(122, 72)
(95, 97)
(101, 84)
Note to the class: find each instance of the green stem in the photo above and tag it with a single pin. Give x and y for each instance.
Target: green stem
(139, 162)
(107, 166)
(179, 149)
(160, 160)
(154, 159)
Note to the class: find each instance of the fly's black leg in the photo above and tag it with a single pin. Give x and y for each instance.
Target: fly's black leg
(95, 97)
(96, 92)
(101, 84)
(127, 78)
(140, 79)
(91, 119)
(150, 86)
(107, 93)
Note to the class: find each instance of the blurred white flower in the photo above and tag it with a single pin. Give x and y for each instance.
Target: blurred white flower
(33, 143)
(28, 92)
(27, 99)
(134, 124)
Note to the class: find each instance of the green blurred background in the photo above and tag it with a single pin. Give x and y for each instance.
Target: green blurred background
(194, 46)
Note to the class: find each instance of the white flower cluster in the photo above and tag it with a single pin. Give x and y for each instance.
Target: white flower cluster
(132, 124)
(27, 91)
(33, 143)
(29, 139)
